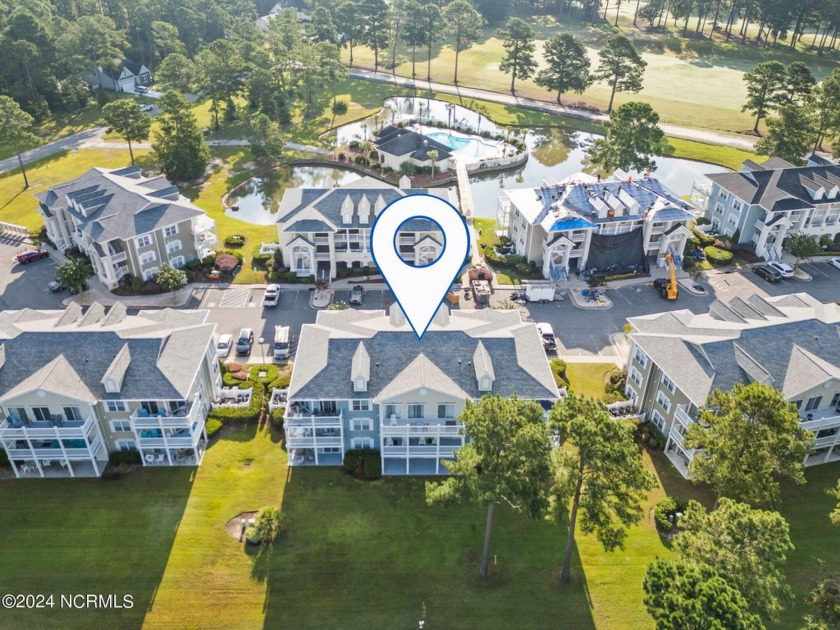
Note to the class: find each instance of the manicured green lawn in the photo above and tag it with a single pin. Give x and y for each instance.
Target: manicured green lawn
(360, 555)
(17, 205)
(588, 378)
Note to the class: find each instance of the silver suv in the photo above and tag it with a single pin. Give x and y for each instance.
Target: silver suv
(244, 341)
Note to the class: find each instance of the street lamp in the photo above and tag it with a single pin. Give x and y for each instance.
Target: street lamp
(262, 348)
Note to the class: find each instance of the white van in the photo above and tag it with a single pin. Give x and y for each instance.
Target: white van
(282, 342)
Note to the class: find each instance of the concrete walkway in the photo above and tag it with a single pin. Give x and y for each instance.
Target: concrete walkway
(709, 137)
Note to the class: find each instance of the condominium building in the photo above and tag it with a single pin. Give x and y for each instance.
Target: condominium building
(584, 223)
(763, 203)
(324, 231)
(126, 223)
(78, 385)
(791, 342)
(362, 379)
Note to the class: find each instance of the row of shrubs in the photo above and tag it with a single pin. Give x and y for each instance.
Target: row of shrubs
(512, 262)
(364, 462)
(665, 513)
(558, 369)
(652, 436)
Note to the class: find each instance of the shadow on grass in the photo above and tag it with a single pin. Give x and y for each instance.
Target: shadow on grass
(90, 536)
(378, 549)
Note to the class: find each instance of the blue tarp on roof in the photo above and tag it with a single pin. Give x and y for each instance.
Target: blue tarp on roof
(571, 224)
(673, 214)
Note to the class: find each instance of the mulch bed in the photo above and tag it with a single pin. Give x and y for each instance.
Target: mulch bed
(234, 526)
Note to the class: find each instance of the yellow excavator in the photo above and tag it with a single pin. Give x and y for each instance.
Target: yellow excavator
(667, 288)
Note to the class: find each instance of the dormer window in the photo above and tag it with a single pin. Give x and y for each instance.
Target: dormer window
(485, 384)
(360, 385)
(111, 386)
(347, 211)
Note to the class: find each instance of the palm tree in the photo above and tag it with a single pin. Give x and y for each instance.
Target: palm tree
(433, 156)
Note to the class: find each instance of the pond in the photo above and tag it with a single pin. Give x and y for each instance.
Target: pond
(259, 197)
(556, 153)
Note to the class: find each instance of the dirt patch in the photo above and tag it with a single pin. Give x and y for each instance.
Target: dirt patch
(234, 526)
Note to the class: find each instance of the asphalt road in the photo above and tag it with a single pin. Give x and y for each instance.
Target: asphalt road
(581, 332)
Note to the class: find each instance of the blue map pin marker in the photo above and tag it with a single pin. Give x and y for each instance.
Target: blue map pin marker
(419, 290)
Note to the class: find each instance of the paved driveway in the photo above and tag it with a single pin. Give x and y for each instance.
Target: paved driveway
(24, 286)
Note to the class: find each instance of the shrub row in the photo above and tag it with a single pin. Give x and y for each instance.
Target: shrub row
(716, 255)
(652, 436)
(665, 512)
(558, 368)
(119, 458)
(212, 426)
(369, 460)
(235, 240)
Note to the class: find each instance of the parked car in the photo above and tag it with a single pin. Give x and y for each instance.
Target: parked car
(147, 107)
(783, 268)
(768, 273)
(85, 287)
(55, 286)
(835, 262)
(357, 295)
(141, 89)
(272, 295)
(549, 341)
(245, 341)
(224, 345)
(32, 254)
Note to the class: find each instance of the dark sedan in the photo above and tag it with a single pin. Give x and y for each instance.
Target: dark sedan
(768, 273)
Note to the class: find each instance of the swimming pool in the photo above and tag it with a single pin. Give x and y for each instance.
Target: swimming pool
(468, 147)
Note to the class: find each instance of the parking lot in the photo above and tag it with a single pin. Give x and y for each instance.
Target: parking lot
(25, 285)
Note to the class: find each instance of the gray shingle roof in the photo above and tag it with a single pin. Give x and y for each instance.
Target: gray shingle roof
(326, 351)
(404, 142)
(776, 185)
(162, 359)
(119, 204)
(793, 350)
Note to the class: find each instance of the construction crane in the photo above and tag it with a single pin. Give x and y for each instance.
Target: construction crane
(667, 288)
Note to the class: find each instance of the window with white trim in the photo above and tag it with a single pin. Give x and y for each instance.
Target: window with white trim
(173, 246)
(668, 383)
(177, 262)
(732, 220)
(813, 403)
(415, 410)
(170, 230)
(737, 205)
(149, 274)
(393, 410)
(641, 357)
(328, 450)
(126, 445)
(663, 401)
(630, 393)
(658, 420)
(635, 375)
(120, 426)
(446, 410)
(361, 405)
(116, 405)
(361, 443)
(361, 424)
(144, 241)
(723, 195)
(719, 208)
(148, 257)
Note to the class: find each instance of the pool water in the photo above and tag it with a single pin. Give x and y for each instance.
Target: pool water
(465, 147)
(259, 198)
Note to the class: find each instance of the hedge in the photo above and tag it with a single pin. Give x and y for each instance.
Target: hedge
(558, 368)
(282, 381)
(271, 372)
(212, 426)
(235, 240)
(242, 414)
(665, 512)
(119, 458)
(369, 459)
(704, 238)
(716, 255)
(4, 457)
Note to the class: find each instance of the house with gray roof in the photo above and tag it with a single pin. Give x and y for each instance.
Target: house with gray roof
(763, 203)
(362, 379)
(128, 224)
(76, 386)
(122, 77)
(396, 145)
(791, 342)
(326, 231)
(584, 224)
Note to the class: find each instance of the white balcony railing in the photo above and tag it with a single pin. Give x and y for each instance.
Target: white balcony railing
(64, 429)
